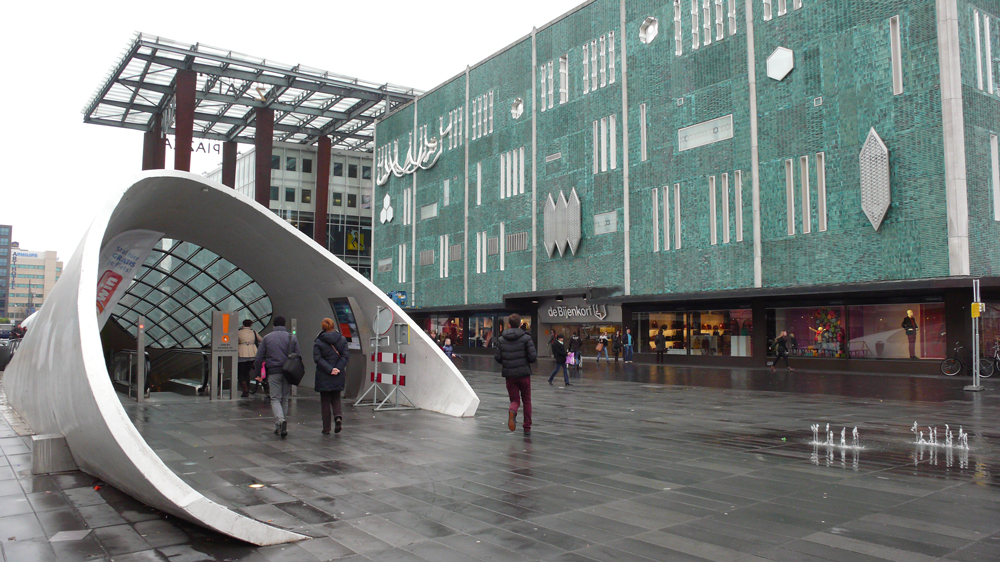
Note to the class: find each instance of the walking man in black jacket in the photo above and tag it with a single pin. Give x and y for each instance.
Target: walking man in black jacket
(516, 353)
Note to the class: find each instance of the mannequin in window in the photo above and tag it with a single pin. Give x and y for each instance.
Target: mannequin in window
(910, 327)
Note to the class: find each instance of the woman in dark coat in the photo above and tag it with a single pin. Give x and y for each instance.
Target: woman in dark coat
(330, 354)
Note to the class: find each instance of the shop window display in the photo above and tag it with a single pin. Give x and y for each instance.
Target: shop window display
(446, 327)
(481, 332)
(720, 333)
(590, 336)
(897, 331)
(674, 326)
(813, 331)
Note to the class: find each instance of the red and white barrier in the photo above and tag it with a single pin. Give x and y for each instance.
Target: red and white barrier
(386, 378)
(389, 358)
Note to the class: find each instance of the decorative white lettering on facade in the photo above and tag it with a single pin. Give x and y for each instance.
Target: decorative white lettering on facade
(597, 311)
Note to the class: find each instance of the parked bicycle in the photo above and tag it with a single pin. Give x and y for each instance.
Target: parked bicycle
(992, 364)
(954, 365)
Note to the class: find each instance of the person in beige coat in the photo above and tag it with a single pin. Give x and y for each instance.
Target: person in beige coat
(248, 340)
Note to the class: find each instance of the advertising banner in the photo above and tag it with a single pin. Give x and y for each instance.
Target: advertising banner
(120, 259)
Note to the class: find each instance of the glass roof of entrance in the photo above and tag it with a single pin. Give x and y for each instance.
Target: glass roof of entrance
(179, 286)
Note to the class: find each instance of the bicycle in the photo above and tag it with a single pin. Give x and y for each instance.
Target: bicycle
(954, 365)
(991, 365)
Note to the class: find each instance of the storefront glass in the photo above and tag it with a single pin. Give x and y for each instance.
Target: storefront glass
(481, 331)
(814, 331)
(446, 327)
(989, 328)
(897, 331)
(590, 336)
(722, 333)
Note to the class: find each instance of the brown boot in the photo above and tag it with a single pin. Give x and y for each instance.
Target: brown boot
(245, 387)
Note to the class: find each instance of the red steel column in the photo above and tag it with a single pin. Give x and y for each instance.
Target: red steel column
(322, 189)
(186, 81)
(263, 144)
(154, 146)
(229, 163)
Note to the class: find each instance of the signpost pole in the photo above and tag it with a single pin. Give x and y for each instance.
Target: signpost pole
(977, 308)
(140, 360)
(224, 344)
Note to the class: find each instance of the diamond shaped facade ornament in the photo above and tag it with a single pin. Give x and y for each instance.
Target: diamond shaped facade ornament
(386, 214)
(875, 189)
(562, 223)
(780, 63)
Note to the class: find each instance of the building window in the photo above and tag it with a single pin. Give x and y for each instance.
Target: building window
(656, 220)
(595, 145)
(767, 10)
(289, 194)
(552, 84)
(428, 211)
(337, 200)
(897, 56)
(586, 70)
(290, 162)
(543, 76)
(612, 123)
(806, 195)
(307, 166)
(677, 216)
(678, 31)
(352, 170)
(897, 331)
(706, 21)
(447, 189)
(695, 40)
(725, 208)
(720, 333)
(604, 62)
(995, 175)
(666, 218)
(307, 196)
(790, 196)
(642, 132)
(738, 181)
(352, 200)
(366, 172)
(713, 228)
(338, 169)
(564, 79)
(275, 162)
(813, 331)
(611, 57)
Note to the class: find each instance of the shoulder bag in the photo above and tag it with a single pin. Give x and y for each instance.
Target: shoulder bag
(292, 368)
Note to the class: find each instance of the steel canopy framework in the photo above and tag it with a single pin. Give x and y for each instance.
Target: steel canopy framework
(308, 103)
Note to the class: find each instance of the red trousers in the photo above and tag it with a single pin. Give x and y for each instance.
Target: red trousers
(519, 390)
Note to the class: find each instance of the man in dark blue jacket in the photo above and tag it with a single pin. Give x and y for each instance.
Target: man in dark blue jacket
(516, 353)
(273, 350)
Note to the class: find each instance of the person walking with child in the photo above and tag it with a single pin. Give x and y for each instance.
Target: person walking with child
(559, 353)
(515, 353)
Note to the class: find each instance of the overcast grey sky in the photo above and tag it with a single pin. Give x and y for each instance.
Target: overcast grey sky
(59, 171)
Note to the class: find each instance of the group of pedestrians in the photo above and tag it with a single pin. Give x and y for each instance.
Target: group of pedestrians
(266, 357)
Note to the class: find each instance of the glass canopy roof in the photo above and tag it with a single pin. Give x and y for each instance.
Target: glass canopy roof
(307, 102)
(179, 286)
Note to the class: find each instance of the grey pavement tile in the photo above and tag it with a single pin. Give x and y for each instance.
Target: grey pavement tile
(326, 549)
(120, 539)
(355, 539)
(28, 551)
(20, 528)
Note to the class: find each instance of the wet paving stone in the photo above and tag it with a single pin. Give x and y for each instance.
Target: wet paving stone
(630, 463)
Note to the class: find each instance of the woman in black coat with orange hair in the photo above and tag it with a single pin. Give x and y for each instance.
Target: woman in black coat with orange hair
(330, 354)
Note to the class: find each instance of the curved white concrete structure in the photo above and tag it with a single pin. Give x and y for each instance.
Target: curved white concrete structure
(59, 383)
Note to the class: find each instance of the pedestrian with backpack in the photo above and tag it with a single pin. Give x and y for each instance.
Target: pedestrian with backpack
(273, 352)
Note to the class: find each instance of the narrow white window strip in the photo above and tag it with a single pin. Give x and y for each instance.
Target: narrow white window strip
(552, 86)
(614, 141)
(503, 248)
(474, 120)
(713, 225)
(593, 65)
(480, 254)
(442, 261)
(782, 7)
(725, 208)
(604, 62)
(521, 168)
(656, 220)
(738, 181)
(979, 55)
(479, 183)
(720, 25)
(503, 176)
(451, 137)
(542, 76)
(406, 207)
(491, 106)
(695, 40)
(767, 10)
(678, 31)
(445, 256)
(604, 144)
(461, 131)
(989, 54)
(484, 110)
(706, 22)
(595, 145)
(564, 79)
(790, 195)
(611, 57)
(796, 4)
(586, 70)
(479, 117)
(821, 190)
(995, 162)
(806, 195)
(513, 173)
(399, 259)
(447, 189)
(732, 17)
(642, 132)
(897, 56)
(677, 216)
(666, 217)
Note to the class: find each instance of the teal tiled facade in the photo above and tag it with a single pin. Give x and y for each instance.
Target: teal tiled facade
(814, 122)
